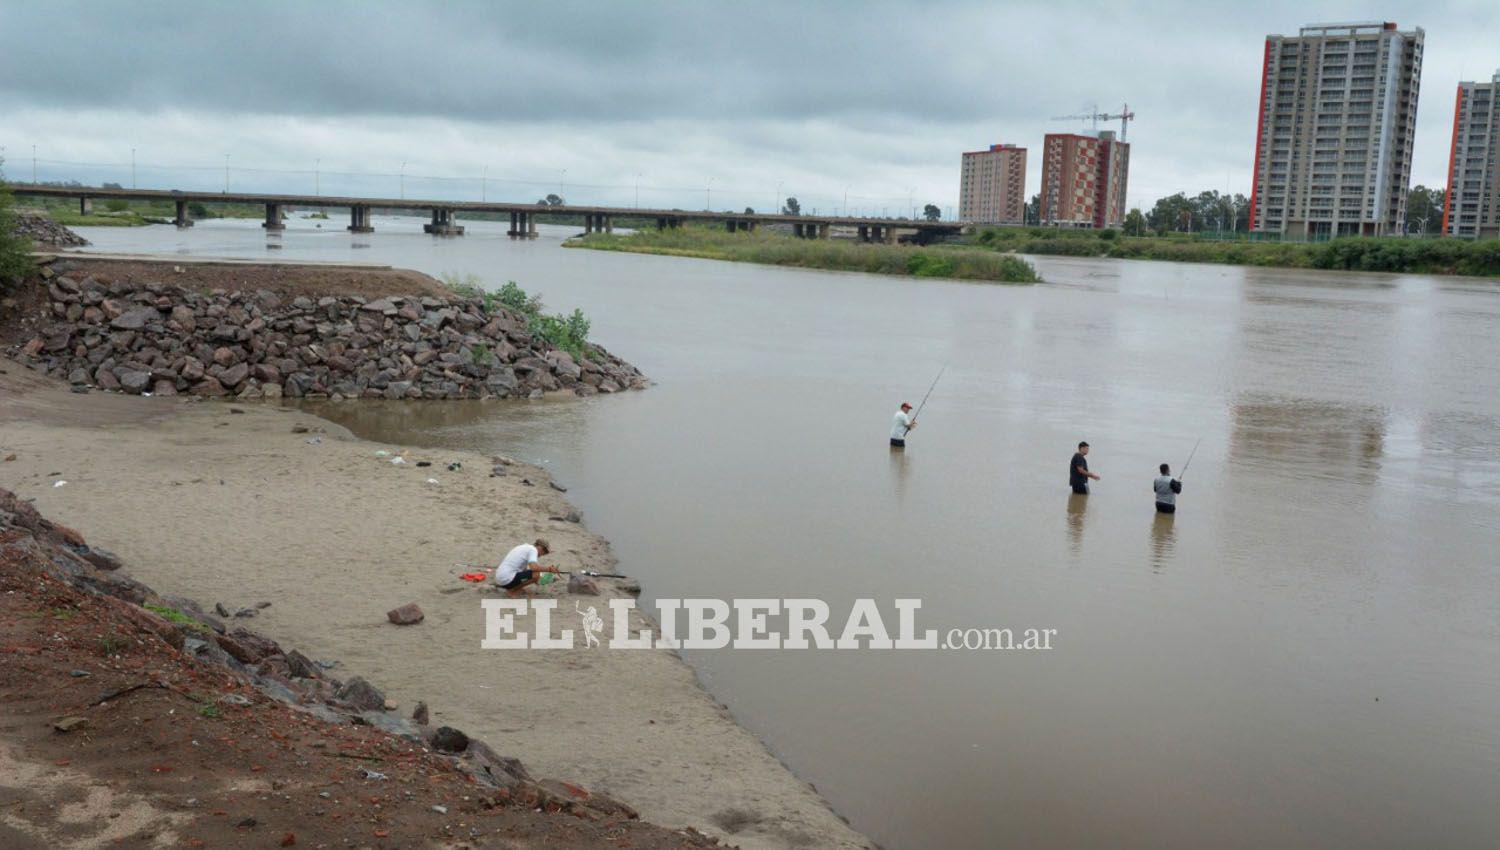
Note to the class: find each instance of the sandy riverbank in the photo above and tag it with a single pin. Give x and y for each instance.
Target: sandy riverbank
(236, 508)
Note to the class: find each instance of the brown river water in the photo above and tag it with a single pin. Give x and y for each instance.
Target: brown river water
(1306, 655)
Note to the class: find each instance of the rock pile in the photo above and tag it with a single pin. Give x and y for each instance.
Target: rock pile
(44, 231)
(165, 339)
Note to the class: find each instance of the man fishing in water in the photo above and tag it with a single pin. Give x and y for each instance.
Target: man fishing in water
(901, 425)
(1078, 471)
(1166, 488)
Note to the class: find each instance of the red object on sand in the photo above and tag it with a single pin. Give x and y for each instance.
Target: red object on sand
(476, 577)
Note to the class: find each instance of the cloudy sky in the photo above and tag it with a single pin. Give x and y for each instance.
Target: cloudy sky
(707, 102)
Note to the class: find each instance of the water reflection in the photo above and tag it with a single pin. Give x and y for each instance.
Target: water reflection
(1077, 503)
(900, 469)
(1163, 539)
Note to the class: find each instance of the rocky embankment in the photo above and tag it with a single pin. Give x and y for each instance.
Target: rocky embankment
(108, 639)
(142, 336)
(44, 231)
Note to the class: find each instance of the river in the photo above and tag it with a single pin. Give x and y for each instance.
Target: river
(1306, 655)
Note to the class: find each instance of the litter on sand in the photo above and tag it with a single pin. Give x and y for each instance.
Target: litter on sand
(474, 577)
(382, 453)
(58, 484)
(398, 460)
(432, 481)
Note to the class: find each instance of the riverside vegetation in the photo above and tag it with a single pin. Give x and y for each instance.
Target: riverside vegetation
(776, 249)
(1387, 254)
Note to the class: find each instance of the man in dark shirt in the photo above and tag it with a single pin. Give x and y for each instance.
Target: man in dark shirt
(1078, 470)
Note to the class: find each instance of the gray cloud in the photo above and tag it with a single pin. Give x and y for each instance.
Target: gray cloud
(879, 95)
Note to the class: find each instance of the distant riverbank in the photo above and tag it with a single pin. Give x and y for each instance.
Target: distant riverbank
(776, 249)
(1405, 255)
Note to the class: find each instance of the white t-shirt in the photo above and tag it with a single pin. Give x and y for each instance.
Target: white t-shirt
(900, 425)
(514, 561)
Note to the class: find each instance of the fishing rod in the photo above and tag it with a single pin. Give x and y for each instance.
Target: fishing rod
(929, 393)
(589, 573)
(1189, 460)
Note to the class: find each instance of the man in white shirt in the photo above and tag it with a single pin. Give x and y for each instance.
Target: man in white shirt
(519, 570)
(902, 424)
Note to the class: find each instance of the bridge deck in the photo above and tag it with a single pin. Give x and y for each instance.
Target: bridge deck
(34, 190)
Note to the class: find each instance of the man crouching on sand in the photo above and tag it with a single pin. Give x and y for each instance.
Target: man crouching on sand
(519, 570)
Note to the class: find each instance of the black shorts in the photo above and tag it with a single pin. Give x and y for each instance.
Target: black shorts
(1081, 489)
(1163, 507)
(521, 578)
(900, 444)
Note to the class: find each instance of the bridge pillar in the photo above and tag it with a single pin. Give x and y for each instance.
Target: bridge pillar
(661, 223)
(797, 230)
(731, 225)
(609, 223)
(182, 219)
(85, 206)
(822, 232)
(512, 233)
(889, 235)
(590, 223)
(273, 220)
(442, 223)
(359, 219)
(864, 233)
(529, 223)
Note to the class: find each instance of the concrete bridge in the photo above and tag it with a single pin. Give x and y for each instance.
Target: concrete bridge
(522, 216)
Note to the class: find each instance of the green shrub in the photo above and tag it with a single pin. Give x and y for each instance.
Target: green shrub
(569, 333)
(15, 251)
(117, 205)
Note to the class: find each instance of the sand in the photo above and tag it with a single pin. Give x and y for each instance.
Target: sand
(224, 506)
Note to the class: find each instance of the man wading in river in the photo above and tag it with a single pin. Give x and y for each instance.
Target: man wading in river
(902, 424)
(1166, 488)
(1078, 471)
(519, 570)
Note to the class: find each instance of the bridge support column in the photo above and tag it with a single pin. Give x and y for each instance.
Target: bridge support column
(442, 223)
(359, 219)
(513, 232)
(85, 206)
(530, 225)
(609, 223)
(797, 230)
(661, 224)
(590, 223)
(273, 220)
(182, 219)
(731, 225)
(864, 233)
(822, 232)
(888, 235)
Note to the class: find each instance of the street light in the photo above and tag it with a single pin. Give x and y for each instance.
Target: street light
(403, 181)
(708, 196)
(776, 206)
(562, 185)
(318, 177)
(226, 173)
(483, 177)
(637, 190)
(846, 201)
(132, 168)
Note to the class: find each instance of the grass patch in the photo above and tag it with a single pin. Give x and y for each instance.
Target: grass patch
(771, 248)
(568, 332)
(210, 711)
(111, 645)
(172, 615)
(1375, 254)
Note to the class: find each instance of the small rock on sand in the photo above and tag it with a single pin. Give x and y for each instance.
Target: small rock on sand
(406, 615)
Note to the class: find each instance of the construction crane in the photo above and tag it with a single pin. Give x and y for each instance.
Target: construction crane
(1095, 116)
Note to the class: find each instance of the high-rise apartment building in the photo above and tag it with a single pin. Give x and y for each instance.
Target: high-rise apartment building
(1472, 207)
(1338, 109)
(1084, 179)
(992, 188)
